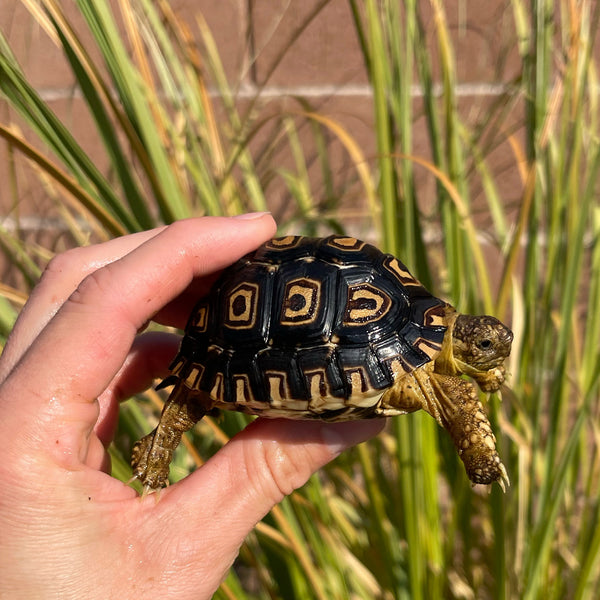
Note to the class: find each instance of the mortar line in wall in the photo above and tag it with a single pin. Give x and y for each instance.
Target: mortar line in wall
(248, 90)
(364, 90)
(33, 223)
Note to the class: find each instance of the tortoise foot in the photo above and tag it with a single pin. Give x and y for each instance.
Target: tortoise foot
(150, 463)
(492, 380)
(476, 446)
(485, 466)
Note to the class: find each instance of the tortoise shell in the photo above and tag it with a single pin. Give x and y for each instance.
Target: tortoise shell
(309, 327)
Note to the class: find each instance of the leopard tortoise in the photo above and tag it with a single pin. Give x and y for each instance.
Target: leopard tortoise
(332, 329)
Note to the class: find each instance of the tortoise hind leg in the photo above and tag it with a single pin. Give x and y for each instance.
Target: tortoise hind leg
(151, 456)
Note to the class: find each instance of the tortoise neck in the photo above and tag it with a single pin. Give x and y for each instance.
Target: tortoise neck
(445, 362)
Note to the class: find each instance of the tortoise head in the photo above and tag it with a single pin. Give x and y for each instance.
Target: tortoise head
(480, 343)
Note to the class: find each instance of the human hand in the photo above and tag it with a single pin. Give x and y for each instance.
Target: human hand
(67, 528)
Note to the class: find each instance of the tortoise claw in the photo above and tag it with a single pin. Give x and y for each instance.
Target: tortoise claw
(147, 490)
(503, 481)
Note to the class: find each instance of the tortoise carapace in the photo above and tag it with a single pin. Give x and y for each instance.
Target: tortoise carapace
(332, 329)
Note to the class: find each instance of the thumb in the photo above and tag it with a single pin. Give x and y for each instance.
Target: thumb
(273, 457)
(242, 482)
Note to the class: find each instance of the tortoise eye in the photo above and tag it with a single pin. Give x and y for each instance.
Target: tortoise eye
(485, 344)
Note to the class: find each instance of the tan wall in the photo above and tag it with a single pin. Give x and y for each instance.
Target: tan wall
(324, 63)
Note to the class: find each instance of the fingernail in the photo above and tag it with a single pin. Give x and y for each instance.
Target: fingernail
(252, 215)
(334, 441)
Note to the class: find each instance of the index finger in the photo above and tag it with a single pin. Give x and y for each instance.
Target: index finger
(77, 354)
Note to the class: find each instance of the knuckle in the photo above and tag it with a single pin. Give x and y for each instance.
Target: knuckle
(64, 264)
(63, 273)
(96, 283)
(98, 291)
(277, 472)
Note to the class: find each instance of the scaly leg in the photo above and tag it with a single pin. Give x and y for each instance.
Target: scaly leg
(453, 403)
(151, 456)
(462, 415)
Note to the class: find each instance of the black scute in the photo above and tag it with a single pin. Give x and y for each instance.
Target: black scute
(291, 333)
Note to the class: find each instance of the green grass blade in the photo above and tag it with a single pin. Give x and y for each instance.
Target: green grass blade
(130, 189)
(138, 101)
(52, 132)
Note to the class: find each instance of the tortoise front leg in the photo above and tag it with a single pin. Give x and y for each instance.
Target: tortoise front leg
(151, 456)
(461, 413)
(453, 403)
